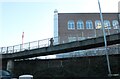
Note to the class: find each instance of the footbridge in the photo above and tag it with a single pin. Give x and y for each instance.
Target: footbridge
(34, 49)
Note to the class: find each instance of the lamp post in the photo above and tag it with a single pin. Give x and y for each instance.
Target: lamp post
(105, 41)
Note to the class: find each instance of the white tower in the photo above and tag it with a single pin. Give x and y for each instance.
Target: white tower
(56, 26)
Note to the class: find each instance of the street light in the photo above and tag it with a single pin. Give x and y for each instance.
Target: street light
(105, 41)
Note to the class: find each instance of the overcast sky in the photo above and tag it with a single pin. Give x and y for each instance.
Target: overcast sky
(35, 17)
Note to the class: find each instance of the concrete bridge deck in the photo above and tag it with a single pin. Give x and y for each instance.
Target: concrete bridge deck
(64, 48)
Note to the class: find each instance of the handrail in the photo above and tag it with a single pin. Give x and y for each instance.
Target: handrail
(36, 44)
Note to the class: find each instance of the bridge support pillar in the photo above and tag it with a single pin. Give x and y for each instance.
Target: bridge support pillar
(10, 66)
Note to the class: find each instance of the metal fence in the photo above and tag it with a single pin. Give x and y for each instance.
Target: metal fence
(40, 44)
(34, 45)
(27, 46)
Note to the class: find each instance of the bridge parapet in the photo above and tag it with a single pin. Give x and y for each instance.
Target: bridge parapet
(34, 45)
(46, 43)
(27, 46)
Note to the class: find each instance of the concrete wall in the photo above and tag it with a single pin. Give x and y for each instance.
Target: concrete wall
(72, 67)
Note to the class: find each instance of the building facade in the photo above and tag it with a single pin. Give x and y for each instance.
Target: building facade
(78, 26)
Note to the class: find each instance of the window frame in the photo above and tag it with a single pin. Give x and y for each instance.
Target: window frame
(98, 26)
(115, 26)
(80, 24)
(71, 25)
(89, 24)
(108, 24)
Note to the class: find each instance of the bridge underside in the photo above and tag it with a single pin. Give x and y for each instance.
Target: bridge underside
(83, 67)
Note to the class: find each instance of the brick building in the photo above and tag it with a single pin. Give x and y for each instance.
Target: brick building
(78, 26)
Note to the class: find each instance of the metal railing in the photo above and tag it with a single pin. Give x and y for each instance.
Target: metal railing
(27, 46)
(40, 44)
(36, 44)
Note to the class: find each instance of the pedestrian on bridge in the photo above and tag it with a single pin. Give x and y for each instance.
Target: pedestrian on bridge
(51, 41)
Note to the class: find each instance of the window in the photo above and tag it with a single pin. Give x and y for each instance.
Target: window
(89, 24)
(80, 24)
(107, 24)
(115, 24)
(98, 24)
(71, 24)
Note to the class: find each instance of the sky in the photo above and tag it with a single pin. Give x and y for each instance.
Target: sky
(35, 17)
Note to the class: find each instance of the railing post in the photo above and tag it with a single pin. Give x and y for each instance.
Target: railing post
(1, 49)
(29, 46)
(7, 50)
(38, 43)
(20, 47)
(13, 49)
(48, 41)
